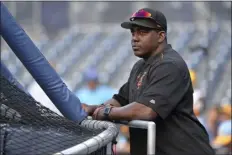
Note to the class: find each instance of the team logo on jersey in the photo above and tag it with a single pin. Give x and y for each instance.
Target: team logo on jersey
(140, 78)
(152, 101)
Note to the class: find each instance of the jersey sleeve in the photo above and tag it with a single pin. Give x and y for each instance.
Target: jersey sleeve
(123, 95)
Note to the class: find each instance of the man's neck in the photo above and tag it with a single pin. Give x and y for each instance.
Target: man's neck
(157, 51)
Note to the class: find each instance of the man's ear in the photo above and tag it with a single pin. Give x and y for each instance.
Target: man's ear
(162, 36)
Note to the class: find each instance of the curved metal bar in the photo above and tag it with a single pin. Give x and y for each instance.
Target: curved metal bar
(93, 144)
(151, 132)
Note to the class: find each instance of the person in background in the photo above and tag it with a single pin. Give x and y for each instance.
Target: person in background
(212, 121)
(93, 92)
(123, 141)
(217, 115)
(198, 99)
(225, 112)
(222, 142)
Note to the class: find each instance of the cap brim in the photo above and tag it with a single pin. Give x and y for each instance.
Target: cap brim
(222, 140)
(142, 23)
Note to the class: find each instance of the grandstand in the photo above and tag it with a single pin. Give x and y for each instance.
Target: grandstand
(104, 44)
(95, 38)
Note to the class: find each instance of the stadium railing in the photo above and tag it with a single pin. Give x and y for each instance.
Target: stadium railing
(151, 132)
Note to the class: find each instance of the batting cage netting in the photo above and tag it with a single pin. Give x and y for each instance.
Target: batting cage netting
(28, 128)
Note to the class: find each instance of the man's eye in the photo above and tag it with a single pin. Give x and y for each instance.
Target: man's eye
(143, 32)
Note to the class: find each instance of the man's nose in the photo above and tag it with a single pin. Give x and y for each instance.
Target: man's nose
(135, 37)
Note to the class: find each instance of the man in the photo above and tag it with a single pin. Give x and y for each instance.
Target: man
(159, 89)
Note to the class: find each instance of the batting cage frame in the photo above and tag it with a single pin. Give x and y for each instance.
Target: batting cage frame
(50, 82)
(19, 128)
(97, 142)
(151, 132)
(139, 124)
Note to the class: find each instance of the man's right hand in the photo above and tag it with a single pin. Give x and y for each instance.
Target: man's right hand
(89, 109)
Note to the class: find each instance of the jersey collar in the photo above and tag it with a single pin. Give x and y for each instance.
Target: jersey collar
(153, 59)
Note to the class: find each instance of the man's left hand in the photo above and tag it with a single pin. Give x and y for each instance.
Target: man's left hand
(99, 114)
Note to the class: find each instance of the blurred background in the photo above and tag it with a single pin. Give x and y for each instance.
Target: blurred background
(85, 44)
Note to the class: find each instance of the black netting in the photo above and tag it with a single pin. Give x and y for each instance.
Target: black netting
(28, 128)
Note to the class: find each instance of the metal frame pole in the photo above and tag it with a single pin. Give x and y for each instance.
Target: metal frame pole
(151, 133)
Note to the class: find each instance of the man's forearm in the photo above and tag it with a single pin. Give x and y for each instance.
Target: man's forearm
(133, 111)
(91, 108)
(113, 102)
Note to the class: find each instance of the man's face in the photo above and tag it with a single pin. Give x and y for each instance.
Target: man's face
(92, 84)
(145, 41)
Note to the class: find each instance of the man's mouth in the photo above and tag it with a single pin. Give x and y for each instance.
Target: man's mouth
(135, 48)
